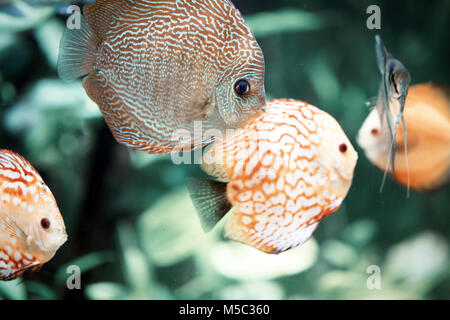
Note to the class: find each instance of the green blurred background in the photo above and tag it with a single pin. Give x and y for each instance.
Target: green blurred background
(132, 228)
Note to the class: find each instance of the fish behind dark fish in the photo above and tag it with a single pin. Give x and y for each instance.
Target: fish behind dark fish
(427, 118)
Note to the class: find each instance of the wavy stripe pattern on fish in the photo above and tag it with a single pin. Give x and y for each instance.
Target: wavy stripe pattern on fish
(281, 169)
(160, 66)
(26, 201)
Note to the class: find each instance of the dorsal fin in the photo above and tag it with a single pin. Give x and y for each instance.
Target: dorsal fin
(210, 200)
(77, 52)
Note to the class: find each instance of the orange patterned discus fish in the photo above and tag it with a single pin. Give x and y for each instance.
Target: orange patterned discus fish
(281, 175)
(31, 226)
(427, 118)
(161, 70)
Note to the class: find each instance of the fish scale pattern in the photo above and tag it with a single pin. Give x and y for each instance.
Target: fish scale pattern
(19, 187)
(24, 198)
(162, 67)
(279, 184)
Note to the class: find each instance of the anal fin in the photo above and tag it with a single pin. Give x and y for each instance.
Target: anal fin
(210, 201)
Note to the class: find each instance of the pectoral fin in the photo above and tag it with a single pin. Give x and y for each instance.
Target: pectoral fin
(9, 226)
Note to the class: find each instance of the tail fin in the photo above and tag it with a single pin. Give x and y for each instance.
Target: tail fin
(77, 52)
(210, 201)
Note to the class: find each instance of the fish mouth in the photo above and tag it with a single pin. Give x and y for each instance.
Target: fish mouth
(359, 139)
(64, 238)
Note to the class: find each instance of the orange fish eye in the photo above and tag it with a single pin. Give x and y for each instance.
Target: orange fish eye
(45, 223)
(375, 132)
(242, 87)
(343, 148)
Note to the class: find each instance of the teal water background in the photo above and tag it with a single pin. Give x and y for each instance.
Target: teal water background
(132, 228)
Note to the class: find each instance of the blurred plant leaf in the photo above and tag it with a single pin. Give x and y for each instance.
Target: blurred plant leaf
(106, 291)
(360, 233)
(85, 263)
(418, 258)
(13, 290)
(254, 290)
(341, 280)
(31, 17)
(241, 262)
(170, 230)
(48, 35)
(136, 268)
(353, 285)
(40, 291)
(45, 98)
(339, 254)
(324, 80)
(284, 20)
(7, 40)
(141, 160)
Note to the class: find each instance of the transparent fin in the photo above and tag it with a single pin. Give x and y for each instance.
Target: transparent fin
(210, 201)
(77, 52)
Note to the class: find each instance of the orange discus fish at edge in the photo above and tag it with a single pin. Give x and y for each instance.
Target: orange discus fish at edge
(31, 226)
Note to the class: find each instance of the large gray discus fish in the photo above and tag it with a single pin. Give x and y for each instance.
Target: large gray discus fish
(158, 69)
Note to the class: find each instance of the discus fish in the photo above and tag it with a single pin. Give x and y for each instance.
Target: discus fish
(165, 72)
(395, 81)
(31, 226)
(280, 176)
(427, 117)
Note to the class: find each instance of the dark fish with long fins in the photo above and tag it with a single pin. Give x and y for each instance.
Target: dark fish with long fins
(426, 165)
(394, 86)
(160, 70)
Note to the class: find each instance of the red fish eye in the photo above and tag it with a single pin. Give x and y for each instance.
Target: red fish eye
(343, 148)
(242, 87)
(374, 132)
(45, 223)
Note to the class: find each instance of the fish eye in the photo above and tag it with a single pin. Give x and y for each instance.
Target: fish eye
(374, 131)
(242, 87)
(343, 148)
(394, 83)
(45, 223)
(391, 78)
